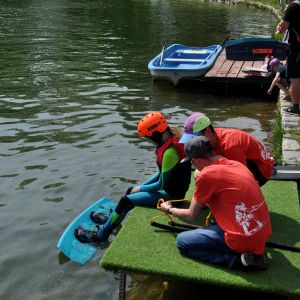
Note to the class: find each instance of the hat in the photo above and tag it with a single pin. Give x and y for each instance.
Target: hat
(198, 147)
(274, 62)
(193, 125)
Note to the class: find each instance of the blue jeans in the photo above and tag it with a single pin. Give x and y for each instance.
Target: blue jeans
(208, 245)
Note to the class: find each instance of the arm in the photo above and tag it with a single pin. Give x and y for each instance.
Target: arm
(152, 179)
(275, 80)
(191, 213)
(282, 27)
(285, 22)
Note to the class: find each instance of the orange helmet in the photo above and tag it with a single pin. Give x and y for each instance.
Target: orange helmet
(153, 121)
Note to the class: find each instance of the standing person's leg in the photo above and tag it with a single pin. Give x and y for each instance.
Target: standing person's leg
(295, 91)
(293, 72)
(208, 245)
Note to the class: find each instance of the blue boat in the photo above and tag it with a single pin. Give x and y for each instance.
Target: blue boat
(178, 62)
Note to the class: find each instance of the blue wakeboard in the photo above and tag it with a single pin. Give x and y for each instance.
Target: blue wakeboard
(70, 246)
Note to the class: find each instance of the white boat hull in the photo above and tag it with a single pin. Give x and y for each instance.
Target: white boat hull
(176, 77)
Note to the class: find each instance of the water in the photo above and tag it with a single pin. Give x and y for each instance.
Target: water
(73, 85)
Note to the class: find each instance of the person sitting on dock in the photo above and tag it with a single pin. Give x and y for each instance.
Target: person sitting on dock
(233, 144)
(280, 80)
(242, 224)
(170, 182)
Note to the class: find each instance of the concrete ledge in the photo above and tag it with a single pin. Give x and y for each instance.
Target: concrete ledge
(291, 134)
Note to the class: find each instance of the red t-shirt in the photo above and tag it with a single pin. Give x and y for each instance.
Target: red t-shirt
(241, 146)
(237, 204)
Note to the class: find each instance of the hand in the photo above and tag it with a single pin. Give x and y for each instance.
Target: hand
(165, 206)
(136, 189)
(269, 92)
(278, 29)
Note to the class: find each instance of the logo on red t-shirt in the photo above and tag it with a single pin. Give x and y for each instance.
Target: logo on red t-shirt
(245, 216)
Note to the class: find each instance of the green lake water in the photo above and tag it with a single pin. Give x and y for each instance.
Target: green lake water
(73, 85)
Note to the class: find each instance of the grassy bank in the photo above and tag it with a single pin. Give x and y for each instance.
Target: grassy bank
(277, 137)
(270, 5)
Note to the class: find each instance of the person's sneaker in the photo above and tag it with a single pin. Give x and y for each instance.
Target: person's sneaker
(99, 217)
(253, 261)
(292, 110)
(86, 236)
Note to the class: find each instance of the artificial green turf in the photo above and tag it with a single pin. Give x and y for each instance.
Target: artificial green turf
(142, 248)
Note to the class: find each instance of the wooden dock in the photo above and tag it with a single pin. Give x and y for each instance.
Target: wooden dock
(230, 78)
(234, 70)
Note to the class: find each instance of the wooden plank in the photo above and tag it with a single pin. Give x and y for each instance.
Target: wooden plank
(256, 70)
(235, 69)
(246, 64)
(258, 64)
(225, 68)
(216, 67)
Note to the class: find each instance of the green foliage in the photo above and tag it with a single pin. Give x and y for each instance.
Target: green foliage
(274, 3)
(277, 137)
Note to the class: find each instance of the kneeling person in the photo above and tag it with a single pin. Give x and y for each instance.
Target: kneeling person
(242, 217)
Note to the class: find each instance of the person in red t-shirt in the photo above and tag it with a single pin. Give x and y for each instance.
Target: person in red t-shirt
(233, 144)
(242, 227)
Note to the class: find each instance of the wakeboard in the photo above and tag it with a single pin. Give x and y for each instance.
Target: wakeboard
(70, 246)
(286, 173)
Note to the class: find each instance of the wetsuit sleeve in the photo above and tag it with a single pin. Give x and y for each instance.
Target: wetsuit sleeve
(170, 159)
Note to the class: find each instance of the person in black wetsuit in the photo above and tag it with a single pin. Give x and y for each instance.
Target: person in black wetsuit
(170, 182)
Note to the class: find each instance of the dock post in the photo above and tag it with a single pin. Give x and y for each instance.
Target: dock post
(122, 285)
